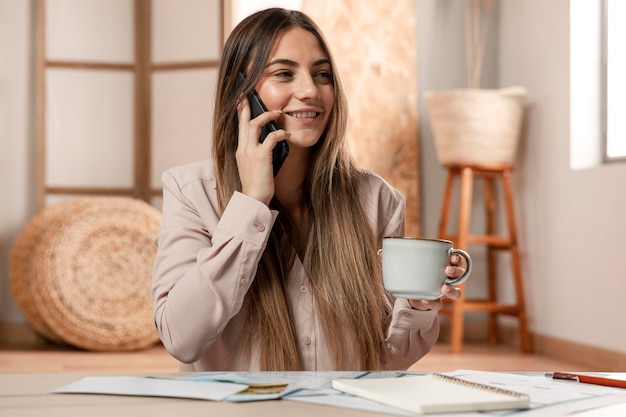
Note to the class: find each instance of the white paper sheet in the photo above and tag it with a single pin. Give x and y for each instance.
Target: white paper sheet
(151, 387)
(549, 398)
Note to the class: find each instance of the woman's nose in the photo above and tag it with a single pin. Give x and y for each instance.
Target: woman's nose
(306, 88)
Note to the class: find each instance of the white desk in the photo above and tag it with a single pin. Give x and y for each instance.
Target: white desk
(25, 395)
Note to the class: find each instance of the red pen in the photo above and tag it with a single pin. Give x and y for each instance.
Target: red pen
(589, 379)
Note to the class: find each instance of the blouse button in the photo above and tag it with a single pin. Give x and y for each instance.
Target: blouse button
(260, 227)
(303, 288)
(243, 282)
(307, 340)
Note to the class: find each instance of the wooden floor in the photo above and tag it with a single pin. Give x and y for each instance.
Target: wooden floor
(30, 354)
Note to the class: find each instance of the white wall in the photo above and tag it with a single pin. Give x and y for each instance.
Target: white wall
(17, 135)
(571, 222)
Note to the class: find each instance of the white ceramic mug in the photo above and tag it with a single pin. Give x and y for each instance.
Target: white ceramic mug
(414, 268)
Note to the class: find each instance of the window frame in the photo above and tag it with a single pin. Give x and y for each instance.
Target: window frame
(604, 87)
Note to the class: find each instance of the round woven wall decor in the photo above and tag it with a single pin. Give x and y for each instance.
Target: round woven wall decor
(81, 272)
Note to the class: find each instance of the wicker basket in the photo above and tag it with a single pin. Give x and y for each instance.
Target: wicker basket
(80, 272)
(476, 126)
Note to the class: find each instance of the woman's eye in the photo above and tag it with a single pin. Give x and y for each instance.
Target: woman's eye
(325, 76)
(283, 74)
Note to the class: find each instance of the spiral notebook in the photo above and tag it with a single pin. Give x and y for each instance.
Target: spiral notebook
(434, 393)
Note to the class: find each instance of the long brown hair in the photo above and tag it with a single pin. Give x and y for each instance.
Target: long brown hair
(352, 305)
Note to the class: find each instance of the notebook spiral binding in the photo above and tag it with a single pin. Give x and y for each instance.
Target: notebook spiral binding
(490, 388)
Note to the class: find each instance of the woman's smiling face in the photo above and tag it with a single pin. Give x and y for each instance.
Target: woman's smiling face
(298, 80)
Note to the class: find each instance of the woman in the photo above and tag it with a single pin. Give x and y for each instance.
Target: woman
(256, 272)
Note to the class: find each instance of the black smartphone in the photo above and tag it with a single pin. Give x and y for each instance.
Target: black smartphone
(281, 150)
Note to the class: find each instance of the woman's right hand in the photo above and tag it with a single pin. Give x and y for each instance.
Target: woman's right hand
(254, 159)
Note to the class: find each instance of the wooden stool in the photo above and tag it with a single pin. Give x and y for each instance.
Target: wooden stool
(462, 239)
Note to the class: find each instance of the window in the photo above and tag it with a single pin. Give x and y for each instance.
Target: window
(614, 79)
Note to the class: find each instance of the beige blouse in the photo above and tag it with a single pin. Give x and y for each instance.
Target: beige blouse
(205, 264)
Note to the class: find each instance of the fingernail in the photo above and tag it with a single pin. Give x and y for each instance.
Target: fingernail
(455, 258)
(449, 270)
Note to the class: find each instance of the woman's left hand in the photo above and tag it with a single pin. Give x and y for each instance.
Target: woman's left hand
(453, 293)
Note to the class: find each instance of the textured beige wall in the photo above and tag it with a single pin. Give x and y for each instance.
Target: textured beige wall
(375, 46)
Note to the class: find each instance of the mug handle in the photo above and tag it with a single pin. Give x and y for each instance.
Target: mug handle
(468, 267)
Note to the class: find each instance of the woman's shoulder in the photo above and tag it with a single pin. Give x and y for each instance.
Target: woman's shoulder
(200, 172)
(383, 204)
(372, 184)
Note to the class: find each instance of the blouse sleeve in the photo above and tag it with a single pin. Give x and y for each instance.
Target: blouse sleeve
(204, 265)
(411, 333)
